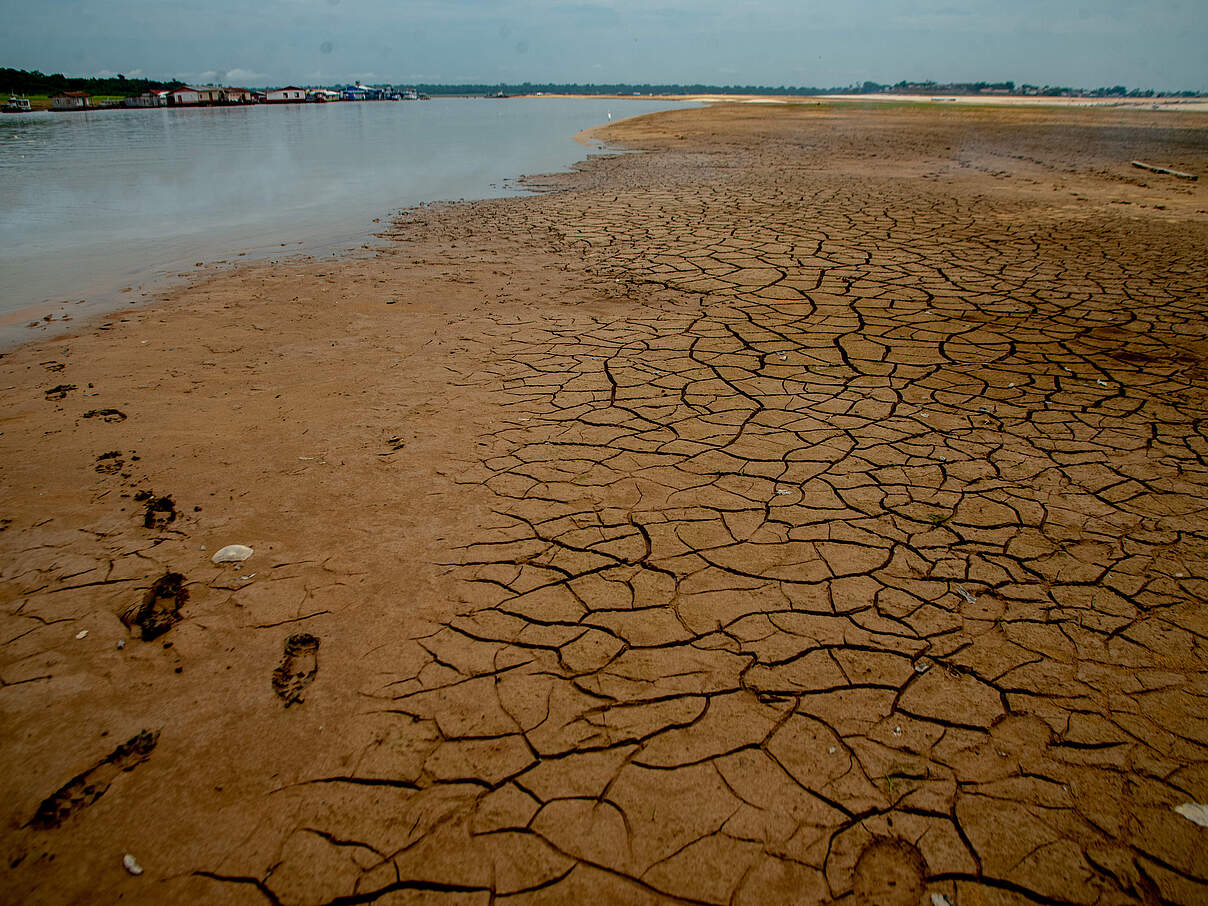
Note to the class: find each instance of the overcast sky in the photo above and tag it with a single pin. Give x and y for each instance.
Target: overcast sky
(1160, 44)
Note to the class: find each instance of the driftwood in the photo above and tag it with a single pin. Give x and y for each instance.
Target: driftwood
(1144, 166)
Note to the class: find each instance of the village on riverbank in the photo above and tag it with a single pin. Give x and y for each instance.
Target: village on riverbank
(223, 96)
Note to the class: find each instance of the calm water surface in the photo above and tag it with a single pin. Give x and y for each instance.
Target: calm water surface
(91, 203)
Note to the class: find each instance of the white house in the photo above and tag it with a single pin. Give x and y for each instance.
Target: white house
(184, 97)
(286, 95)
(70, 100)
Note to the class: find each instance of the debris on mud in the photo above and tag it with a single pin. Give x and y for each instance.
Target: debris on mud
(59, 392)
(131, 864)
(298, 667)
(109, 415)
(232, 553)
(160, 512)
(969, 599)
(86, 788)
(159, 610)
(1165, 171)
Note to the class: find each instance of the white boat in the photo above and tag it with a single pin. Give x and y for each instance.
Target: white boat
(17, 105)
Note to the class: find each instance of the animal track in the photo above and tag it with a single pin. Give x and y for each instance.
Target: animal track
(889, 872)
(298, 667)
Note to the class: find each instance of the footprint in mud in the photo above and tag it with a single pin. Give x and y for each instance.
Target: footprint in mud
(59, 392)
(396, 444)
(297, 668)
(109, 415)
(109, 463)
(86, 788)
(160, 511)
(889, 872)
(159, 610)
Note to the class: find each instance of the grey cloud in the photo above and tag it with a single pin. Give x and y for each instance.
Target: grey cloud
(1155, 44)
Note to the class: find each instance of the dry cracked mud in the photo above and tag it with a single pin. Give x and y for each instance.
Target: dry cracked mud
(810, 509)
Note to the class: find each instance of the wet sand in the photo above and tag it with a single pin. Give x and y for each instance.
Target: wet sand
(811, 509)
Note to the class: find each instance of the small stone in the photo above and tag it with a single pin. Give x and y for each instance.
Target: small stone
(131, 864)
(121, 643)
(897, 731)
(938, 899)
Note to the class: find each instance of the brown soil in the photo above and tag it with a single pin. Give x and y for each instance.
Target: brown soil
(809, 510)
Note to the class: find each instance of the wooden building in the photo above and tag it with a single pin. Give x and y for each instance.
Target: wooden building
(70, 100)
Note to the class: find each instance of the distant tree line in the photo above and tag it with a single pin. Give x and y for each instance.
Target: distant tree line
(19, 81)
(1115, 91)
(617, 88)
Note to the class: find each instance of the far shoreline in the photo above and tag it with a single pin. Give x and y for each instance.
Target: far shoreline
(1182, 105)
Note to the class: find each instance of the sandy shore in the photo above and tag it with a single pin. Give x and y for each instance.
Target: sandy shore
(808, 510)
(1166, 104)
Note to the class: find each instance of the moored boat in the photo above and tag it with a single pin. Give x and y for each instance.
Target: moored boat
(17, 105)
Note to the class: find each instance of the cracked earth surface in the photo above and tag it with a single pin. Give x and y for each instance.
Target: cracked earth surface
(809, 510)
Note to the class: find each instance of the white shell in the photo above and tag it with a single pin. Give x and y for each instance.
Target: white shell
(232, 553)
(1194, 811)
(131, 864)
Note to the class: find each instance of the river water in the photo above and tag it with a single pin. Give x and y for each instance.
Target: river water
(94, 204)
